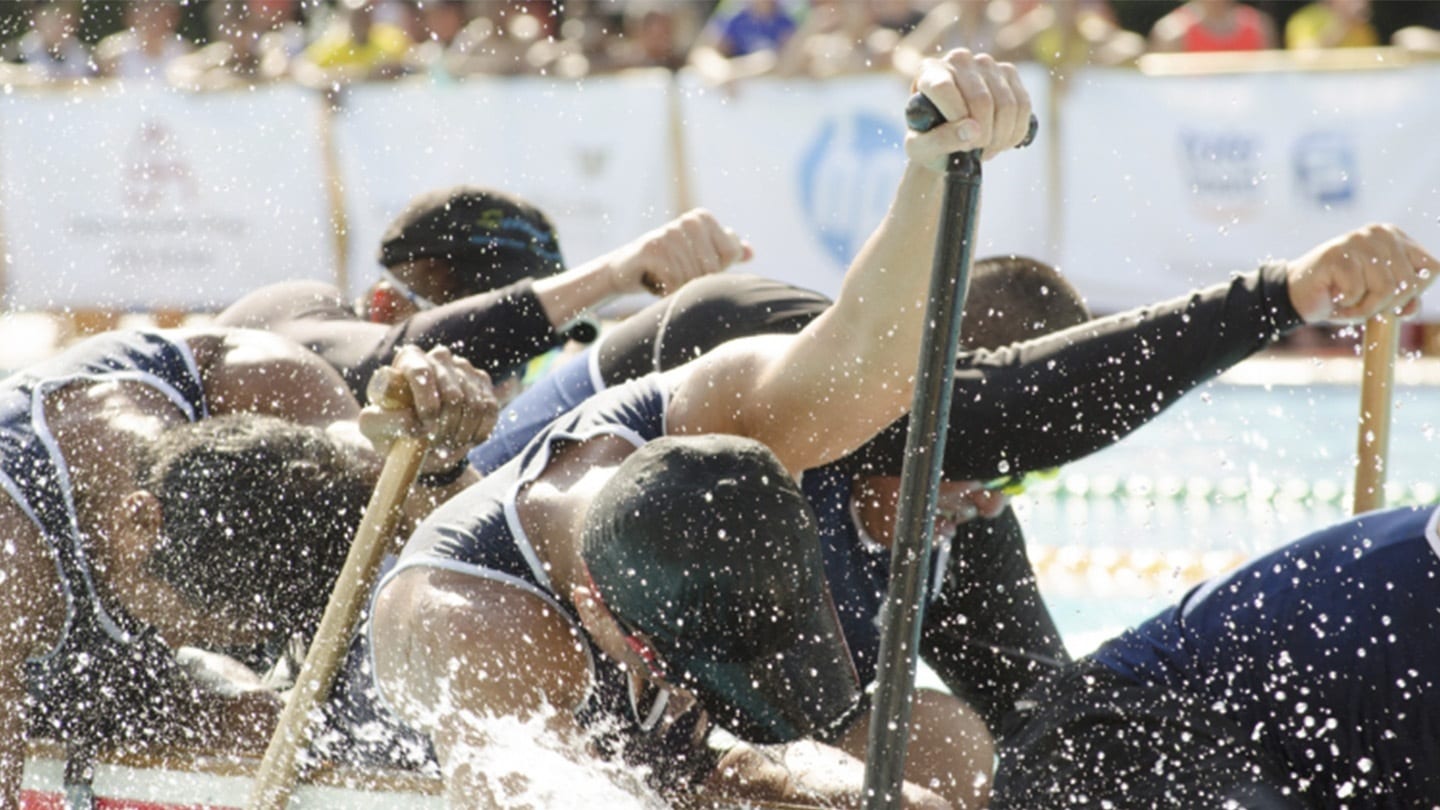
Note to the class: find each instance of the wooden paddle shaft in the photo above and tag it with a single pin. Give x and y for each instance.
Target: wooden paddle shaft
(1381, 342)
(279, 769)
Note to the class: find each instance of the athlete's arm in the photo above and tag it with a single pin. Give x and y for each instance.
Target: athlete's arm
(13, 717)
(815, 396)
(496, 331)
(660, 261)
(803, 773)
(31, 612)
(1060, 397)
(989, 663)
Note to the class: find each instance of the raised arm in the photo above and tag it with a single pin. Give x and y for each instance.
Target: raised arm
(502, 328)
(659, 261)
(1058, 398)
(814, 396)
(496, 330)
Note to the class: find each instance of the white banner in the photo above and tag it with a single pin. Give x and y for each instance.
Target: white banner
(1172, 183)
(805, 171)
(137, 197)
(595, 157)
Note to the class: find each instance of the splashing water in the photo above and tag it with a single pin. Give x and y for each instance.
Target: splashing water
(530, 766)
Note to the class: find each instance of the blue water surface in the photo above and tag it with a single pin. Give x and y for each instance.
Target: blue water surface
(1229, 468)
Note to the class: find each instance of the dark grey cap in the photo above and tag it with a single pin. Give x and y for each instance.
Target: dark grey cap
(706, 545)
(490, 239)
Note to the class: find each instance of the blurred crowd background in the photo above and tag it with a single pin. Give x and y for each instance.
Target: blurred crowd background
(217, 44)
(329, 44)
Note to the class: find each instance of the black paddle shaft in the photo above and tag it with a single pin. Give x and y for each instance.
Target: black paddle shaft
(920, 475)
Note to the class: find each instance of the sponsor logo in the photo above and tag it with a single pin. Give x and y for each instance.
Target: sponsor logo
(847, 176)
(592, 161)
(1223, 168)
(156, 169)
(1324, 164)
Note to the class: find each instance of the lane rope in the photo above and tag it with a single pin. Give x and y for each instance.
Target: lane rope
(1200, 491)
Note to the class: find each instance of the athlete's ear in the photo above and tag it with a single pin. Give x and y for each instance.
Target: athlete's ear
(141, 510)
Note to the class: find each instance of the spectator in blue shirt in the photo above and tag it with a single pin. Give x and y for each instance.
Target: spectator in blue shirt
(742, 43)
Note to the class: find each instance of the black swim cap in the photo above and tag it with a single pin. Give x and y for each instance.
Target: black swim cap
(490, 239)
(707, 546)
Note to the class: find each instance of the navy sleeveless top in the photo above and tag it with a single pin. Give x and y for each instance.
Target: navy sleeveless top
(1327, 650)
(107, 672)
(478, 532)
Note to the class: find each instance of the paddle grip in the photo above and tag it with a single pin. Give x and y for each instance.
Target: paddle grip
(921, 115)
(389, 391)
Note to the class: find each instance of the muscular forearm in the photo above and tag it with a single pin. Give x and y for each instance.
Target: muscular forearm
(851, 370)
(565, 297)
(878, 318)
(1058, 398)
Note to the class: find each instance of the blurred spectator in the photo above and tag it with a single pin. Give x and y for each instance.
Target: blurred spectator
(890, 22)
(899, 17)
(497, 41)
(280, 25)
(243, 50)
(405, 15)
(441, 22)
(1213, 25)
(758, 25)
(144, 48)
(948, 25)
(52, 48)
(354, 47)
(656, 33)
(1068, 33)
(1331, 24)
(832, 39)
(580, 44)
(743, 38)
(1418, 39)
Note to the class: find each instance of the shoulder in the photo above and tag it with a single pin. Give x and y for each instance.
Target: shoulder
(275, 305)
(219, 347)
(247, 370)
(708, 394)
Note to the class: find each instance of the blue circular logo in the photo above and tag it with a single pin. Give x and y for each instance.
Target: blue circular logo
(847, 178)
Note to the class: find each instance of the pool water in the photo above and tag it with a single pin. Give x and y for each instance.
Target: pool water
(1227, 472)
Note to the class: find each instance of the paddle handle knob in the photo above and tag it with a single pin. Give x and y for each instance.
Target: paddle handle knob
(921, 115)
(389, 391)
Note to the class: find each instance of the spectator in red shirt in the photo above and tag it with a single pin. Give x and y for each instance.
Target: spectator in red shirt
(1213, 25)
